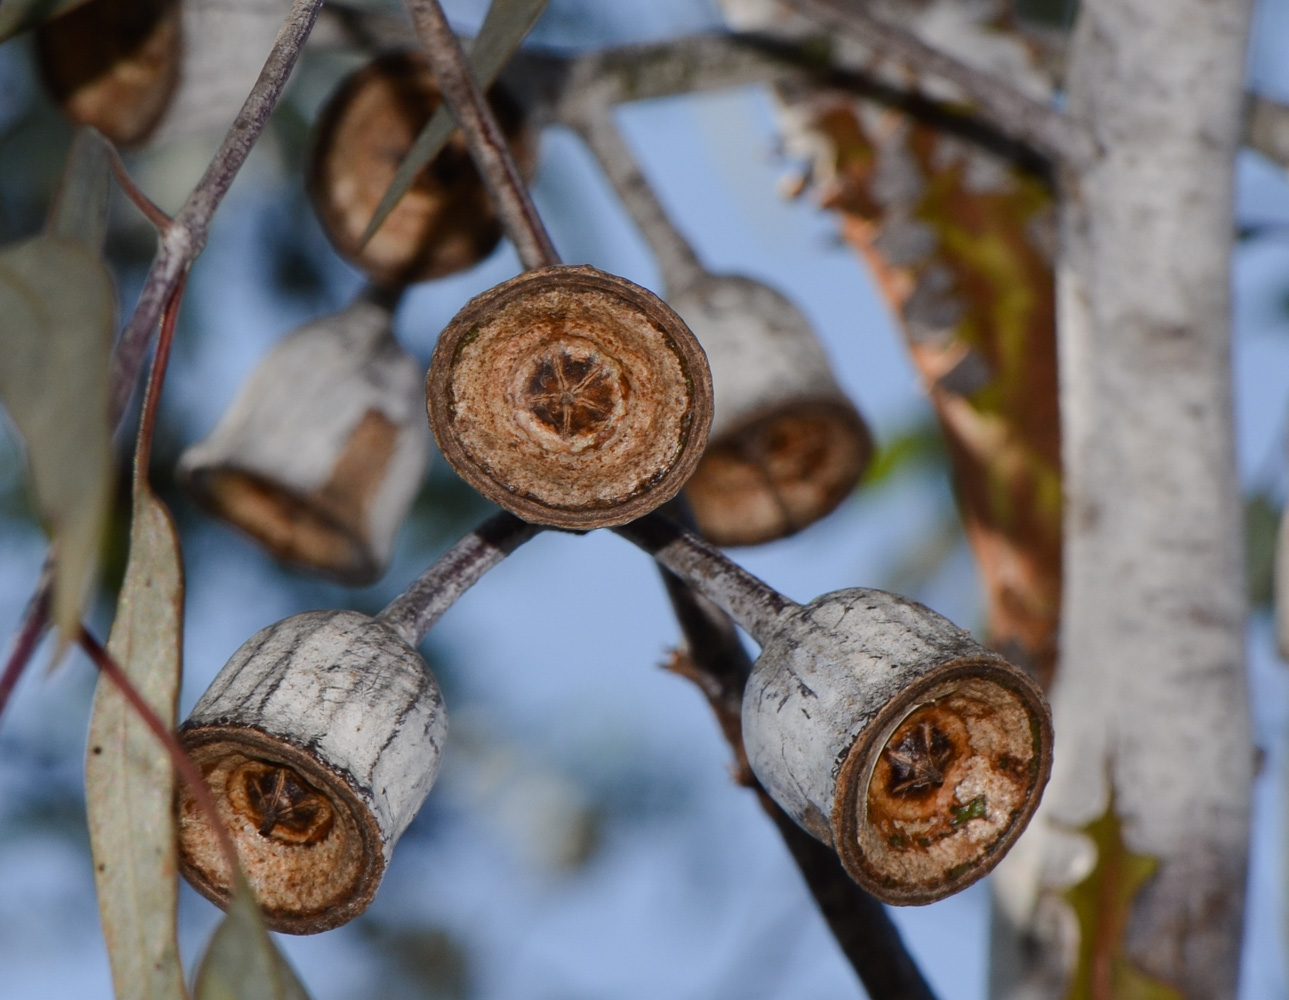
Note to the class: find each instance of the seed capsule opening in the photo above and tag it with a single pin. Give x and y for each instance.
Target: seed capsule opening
(319, 740)
(932, 806)
(570, 397)
(889, 733)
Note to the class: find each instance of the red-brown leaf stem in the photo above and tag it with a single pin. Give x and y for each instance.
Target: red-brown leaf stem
(34, 623)
(182, 763)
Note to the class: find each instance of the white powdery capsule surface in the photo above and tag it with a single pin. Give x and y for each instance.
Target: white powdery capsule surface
(320, 739)
(888, 732)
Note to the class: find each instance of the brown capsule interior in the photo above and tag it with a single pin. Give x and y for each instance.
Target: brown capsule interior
(445, 222)
(309, 846)
(113, 64)
(324, 530)
(932, 803)
(570, 397)
(280, 803)
(779, 473)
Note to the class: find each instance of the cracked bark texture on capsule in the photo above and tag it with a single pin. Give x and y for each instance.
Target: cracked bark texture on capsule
(320, 739)
(832, 709)
(320, 455)
(786, 444)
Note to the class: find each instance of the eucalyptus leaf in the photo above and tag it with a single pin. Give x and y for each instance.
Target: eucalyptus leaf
(129, 780)
(242, 962)
(504, 28)
(18, 15)
(80, 206)
(58, 305)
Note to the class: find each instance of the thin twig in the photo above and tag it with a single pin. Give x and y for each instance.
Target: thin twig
(413, 612)
(159, 219)
(1267, 128)
(563, 89)
(179, 758)
(1047, 129)
(34, 622)
(677, 260)
(755, 605)
(156, 378)
(483, 135)
(184, 239)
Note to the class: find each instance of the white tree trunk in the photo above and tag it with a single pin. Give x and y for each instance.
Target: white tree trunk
(1150, 700)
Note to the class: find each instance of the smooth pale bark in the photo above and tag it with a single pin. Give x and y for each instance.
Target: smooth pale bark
(1150, 698)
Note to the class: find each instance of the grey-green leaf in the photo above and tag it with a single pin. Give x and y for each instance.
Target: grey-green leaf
(504, 28)
(19, 15)
(241, 962)
(58, 305)
(129, 781)
(80, 207)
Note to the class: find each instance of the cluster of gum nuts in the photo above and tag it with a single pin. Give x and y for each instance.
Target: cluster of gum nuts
(571, 398)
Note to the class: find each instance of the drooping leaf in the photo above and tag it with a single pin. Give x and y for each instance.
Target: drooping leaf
(129, 780)
(241, 961)
(79, 211)
(17, 16)
(1102, 903)
(504, 27)
(58, 305)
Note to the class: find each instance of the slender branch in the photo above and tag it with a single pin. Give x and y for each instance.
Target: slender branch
(159, 219)
(413, 612)
(679, 263)
(1267, 128)
(179, 759)
(156, 378)
(483, 135)
(184, 239)
(564, 89)
(1044, 127)
(749, 601)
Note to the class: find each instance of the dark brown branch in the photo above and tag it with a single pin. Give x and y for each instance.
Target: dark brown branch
(1050, 131)
(1267, 128)
(483, 135)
